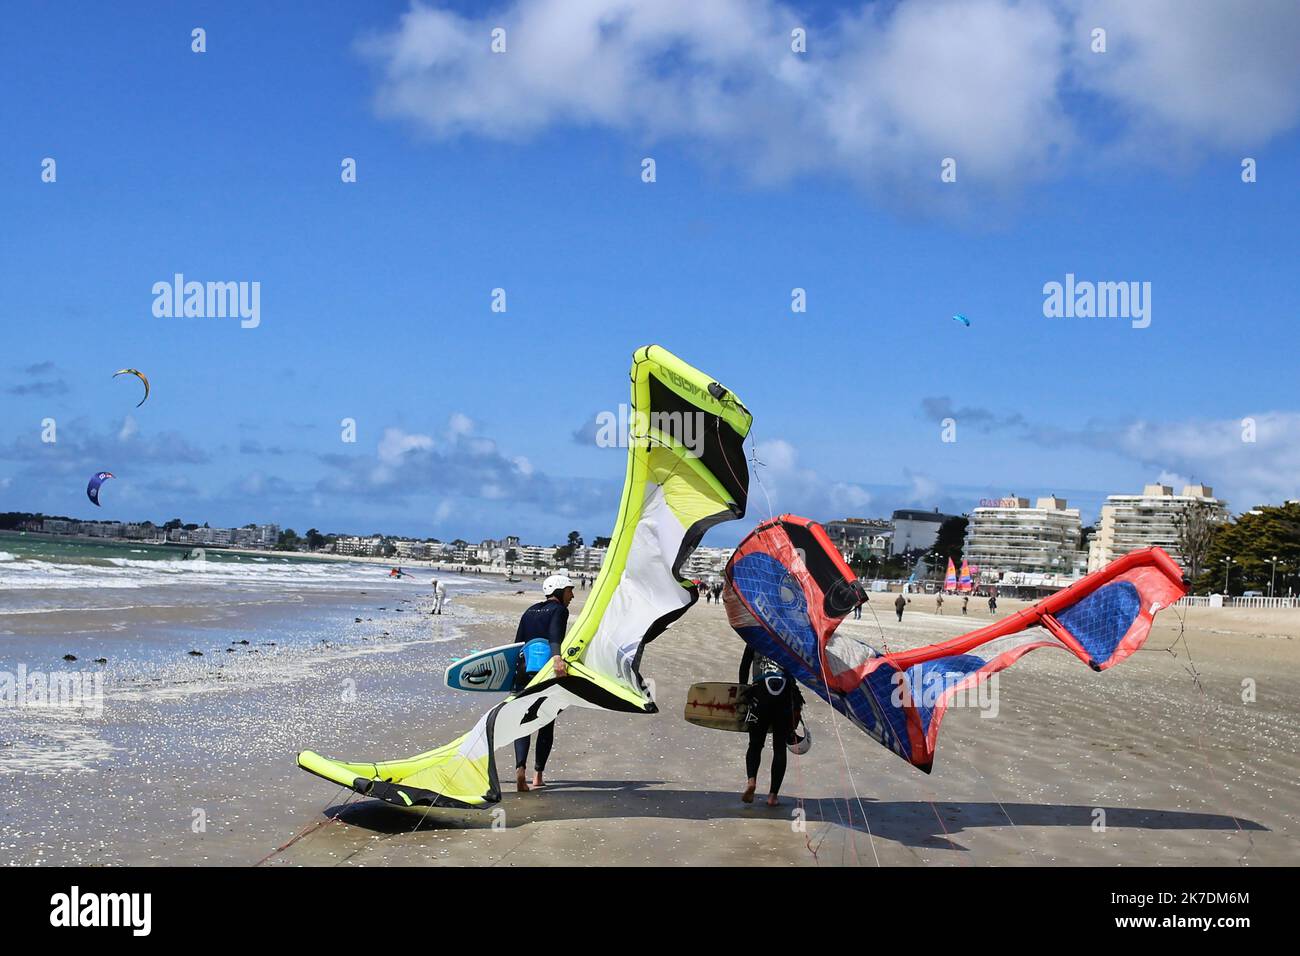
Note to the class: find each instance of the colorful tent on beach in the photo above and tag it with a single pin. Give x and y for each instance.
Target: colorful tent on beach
(686, 472)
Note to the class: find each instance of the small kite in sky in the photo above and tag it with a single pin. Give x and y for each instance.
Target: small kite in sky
(138, 374)
(962, 319)
(92, 489)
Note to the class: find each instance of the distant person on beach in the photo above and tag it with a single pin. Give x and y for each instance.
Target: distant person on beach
(993, 604)
(774, 709)
(439, 596)
(900, 602)
(541, 631)
(965, 602)
(857, 608)
(938, 603)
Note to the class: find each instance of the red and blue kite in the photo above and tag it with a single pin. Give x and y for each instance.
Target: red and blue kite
(789, 588)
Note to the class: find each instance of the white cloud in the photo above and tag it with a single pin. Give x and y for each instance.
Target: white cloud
(1220, 72)
(395, 444)
(883, 94)
(1173, 479)
(921, 489)
(128, 430)
(777, 454)
(459, 425)
(781, 484)
(1215, 452)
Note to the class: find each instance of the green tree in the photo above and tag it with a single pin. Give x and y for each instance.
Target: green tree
(288, 541)
(951, 539)
(315, 540)
(1251, 541)
(564, 553)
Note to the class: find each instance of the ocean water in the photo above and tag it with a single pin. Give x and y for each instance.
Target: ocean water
(39, 574)
(138, 602)
(168, 649)
(29, 564)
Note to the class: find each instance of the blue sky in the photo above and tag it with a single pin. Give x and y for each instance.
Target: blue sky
(522, 171)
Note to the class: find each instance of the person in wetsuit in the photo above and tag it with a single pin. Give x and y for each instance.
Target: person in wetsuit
(541, 631)
(774, 704)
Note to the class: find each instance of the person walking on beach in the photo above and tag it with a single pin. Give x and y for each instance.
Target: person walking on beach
(938, 603)
(899, 603)
(774, 707)
(439, 596)
(964, 603)
(857, 608)
(993, 604)
(541, 631)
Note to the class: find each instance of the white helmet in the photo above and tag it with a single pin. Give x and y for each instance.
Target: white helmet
(556, 582)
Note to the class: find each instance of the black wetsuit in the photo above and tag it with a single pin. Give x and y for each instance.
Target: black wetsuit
(769, 714)
(546, 620)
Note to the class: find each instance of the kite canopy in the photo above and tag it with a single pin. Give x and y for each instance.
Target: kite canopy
(789, 588)
(138, 374)
(962, 319)
(92, 489)
(686, 472)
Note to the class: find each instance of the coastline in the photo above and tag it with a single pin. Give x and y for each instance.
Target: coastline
(446, 566)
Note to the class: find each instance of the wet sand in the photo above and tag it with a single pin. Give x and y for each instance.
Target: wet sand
(1179, 776)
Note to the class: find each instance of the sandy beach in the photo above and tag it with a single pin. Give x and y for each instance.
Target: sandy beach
(1182, 778)
(196, 764)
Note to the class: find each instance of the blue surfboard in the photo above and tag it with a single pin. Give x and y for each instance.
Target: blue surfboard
(491, 670)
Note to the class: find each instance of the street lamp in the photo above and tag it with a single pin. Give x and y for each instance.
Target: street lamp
(1227, 567)
(1272, 577)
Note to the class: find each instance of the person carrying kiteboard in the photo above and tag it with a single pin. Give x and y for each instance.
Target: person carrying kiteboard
(541, 631)
(775, 706)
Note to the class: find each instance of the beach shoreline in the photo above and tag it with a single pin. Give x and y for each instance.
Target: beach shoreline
(1184, 777)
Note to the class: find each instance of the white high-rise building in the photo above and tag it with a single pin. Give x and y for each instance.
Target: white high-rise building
(365, 547)
(1007, 535)
(707, 562)
(1129, 522)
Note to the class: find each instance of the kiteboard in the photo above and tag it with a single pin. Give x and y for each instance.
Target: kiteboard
(489, 670)
(718, 705)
